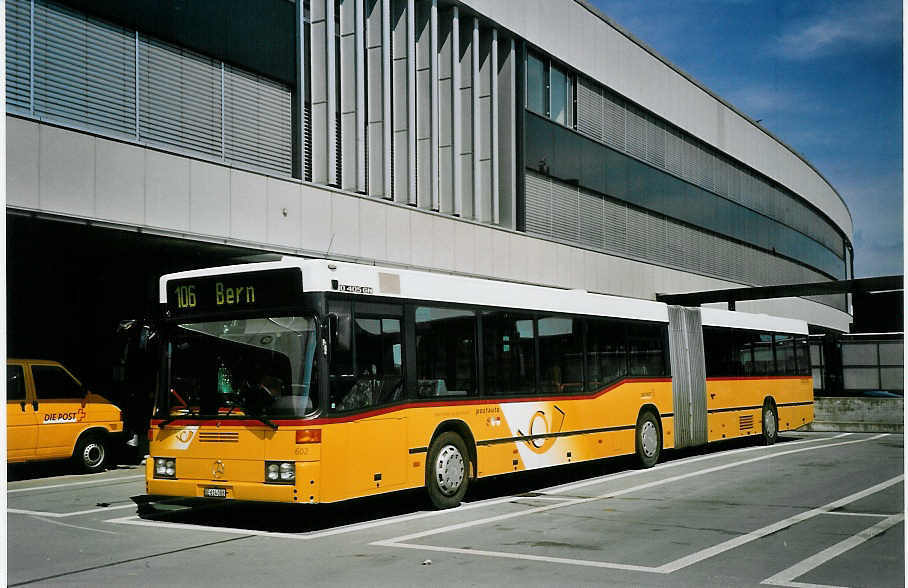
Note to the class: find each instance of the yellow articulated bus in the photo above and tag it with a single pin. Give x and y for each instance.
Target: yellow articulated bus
(313, 381)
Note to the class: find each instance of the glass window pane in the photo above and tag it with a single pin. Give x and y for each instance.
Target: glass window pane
(764, 365)
(508, 353)
(445, 352)
(786, 362)
(559, 100)
(606, 354)
(646, 354)
(15, 382)
(535, 84)
(560, 355)
(52, 382)
(378, 351)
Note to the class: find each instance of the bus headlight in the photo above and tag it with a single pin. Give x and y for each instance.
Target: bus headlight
(165, 467)
(280, 472)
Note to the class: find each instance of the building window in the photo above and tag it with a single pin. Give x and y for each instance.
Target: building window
(560, 96)
(536, 85)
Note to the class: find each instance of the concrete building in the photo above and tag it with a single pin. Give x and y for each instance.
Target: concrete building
(526, 140)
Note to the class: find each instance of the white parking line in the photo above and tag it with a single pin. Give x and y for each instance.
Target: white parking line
(96, 481)
(859, 514)
(133, 520)
(403, 541)
(63, 515)
(786, 576)
(53, 522)
(659, 482)
(672, 464)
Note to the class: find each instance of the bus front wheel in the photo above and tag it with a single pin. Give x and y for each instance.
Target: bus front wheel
(649, 440)
(447, 470)
(770, 424)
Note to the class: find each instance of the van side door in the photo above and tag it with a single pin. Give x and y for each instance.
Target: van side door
(61, 409)
(21, 416)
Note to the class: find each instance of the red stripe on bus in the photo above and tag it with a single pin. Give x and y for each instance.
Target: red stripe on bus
(399, 407)
(735, 378)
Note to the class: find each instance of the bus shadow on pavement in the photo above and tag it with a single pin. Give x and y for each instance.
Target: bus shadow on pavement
(307, 518)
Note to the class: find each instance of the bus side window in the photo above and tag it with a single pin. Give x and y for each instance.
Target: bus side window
(445, 352)
(341, 374)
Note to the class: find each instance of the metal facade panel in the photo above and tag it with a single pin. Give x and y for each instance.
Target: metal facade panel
(84, 69)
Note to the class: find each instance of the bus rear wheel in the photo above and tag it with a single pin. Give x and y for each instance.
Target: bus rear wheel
(91, 454)
(770, 424)
(447, 470)
(649, 440)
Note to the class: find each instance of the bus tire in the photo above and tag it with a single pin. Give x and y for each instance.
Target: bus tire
(770, 422)
(447, 470)
(91, 453)
(649, 439)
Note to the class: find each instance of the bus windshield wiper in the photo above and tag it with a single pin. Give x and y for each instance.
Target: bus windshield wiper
(265, 420)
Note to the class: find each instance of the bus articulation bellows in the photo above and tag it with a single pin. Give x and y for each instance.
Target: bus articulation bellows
(313, 381)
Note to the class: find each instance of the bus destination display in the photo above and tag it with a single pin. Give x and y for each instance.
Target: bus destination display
(230, 292)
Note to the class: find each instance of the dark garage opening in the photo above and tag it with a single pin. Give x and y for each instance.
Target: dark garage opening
(69, 285)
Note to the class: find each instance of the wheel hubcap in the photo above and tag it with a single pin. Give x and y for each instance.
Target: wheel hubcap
(648, 437)
(93, 455)
(769, 423)
(449, 470)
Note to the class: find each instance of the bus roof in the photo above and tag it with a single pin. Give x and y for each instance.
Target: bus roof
(321, 275)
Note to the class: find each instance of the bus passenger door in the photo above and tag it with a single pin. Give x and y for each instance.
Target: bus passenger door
(21, 419)
(377, 443)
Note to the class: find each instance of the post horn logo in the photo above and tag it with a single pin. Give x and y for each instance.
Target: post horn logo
(217, 469)
(184, 436)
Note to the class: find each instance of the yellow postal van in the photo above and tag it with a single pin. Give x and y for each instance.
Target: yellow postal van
(50, 415)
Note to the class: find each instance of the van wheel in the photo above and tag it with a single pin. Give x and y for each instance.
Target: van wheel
(447, 470)
(649, 440)
(770, 424)
(91, 454)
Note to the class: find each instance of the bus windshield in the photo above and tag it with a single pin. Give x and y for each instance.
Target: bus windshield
(259, 367)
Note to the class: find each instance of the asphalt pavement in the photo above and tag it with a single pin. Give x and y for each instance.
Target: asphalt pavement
(816, 509)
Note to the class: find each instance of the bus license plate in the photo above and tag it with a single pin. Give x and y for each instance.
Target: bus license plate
(216, 492)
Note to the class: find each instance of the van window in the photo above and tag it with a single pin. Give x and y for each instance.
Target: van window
(53, 382)
(15, 382)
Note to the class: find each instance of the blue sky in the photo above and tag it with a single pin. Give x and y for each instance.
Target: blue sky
(824, 76)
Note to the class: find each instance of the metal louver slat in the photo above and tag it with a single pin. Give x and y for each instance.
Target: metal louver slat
(256, 121)
(538, 204)
(614, 112)
(655, 142)
(657, 239)
(180, 100)
(636, 231)
(589, 109)
(84, 69)
(636, 133)
(615, 225)
(591, 219)
(565, 212)
(18, 17)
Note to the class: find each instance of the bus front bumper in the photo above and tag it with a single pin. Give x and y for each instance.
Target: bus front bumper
(304, 491)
